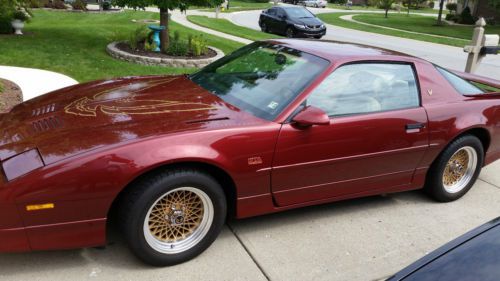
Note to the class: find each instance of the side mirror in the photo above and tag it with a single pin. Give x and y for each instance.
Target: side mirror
(310, 116)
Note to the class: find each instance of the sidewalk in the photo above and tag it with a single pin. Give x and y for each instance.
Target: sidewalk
(35, 82)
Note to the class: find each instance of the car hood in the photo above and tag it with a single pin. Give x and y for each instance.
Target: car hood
(80, 118)
(309, 21)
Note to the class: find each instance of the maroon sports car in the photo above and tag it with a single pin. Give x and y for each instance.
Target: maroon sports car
(273, 126)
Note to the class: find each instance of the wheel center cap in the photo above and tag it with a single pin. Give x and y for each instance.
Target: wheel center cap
(176, 217)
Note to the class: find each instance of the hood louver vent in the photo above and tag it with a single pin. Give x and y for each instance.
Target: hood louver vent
(43, 110)
(46, 124)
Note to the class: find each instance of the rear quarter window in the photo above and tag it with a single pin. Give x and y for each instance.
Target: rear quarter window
(462, 86)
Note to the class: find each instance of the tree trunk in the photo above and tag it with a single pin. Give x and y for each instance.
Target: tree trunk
(440, 16)
(386, 13)
(409, 5)
(100, 5)
(164, 40)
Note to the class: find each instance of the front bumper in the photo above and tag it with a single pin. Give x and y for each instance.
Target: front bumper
(310, 33)
(13, 236)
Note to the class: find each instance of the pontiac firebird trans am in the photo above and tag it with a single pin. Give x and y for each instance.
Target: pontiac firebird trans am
(273, 126)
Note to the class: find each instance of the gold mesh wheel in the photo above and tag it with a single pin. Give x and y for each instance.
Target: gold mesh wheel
(178, 220)
(460, 169)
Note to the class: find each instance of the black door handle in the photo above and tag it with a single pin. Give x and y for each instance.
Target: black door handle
(415, 126)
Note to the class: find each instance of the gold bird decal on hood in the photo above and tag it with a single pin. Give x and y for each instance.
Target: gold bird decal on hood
(122, 100)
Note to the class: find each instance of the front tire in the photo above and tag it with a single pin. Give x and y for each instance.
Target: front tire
(264, 28)
(290, 33)
(173, 216)
(456, 170)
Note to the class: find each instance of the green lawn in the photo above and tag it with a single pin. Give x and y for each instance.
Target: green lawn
(423, 25)
(228, 27)
(334, 19)
(238, 5)
(74, 44)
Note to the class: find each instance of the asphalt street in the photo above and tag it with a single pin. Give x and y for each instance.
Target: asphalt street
(447, 56)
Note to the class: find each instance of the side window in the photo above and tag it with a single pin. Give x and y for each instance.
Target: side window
(280, 12)
(271, 12)
(461, 85)
(367, 87)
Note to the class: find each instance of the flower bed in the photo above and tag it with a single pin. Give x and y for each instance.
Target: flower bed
(10, 95)
(123, 51)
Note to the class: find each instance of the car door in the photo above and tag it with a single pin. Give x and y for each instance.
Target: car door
(376, 137)
(281, 22)
(271, 19)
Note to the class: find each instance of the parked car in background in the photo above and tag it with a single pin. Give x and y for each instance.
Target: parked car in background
(292, 22)
(473, 256)
(294, 2)
(315, 3)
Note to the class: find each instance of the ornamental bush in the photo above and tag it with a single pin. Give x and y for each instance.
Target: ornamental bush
(79, 5)
(466, 17)
(5, 26)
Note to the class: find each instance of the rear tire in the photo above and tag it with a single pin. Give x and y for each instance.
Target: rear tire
(172, 216)
(318, 37)
(456, 170)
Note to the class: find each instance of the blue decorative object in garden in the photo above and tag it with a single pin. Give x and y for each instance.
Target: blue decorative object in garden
(156, 35)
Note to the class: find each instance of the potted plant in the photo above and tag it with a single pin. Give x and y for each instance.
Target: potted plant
(19, 18)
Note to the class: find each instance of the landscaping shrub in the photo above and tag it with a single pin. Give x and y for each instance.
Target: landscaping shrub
(451, 17)
(491, 21)
(178, 48)
(79, 5)
(430, 4)
(55, 4)
(197, 45)
(466, 17)
(20, 15)
(452, 7)
(106, 6)
(5, 25)
(139, 35)
(35, 4)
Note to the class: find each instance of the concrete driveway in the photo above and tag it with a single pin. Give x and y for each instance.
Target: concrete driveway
(362, 239)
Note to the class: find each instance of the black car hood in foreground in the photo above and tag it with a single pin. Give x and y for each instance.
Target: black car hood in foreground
(472, 256)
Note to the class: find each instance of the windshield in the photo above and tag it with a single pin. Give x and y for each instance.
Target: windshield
(299, 13)
(261, 78)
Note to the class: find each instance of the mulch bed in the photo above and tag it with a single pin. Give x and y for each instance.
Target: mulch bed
(10, 96)
(141, 52)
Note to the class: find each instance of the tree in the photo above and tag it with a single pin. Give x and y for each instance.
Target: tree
(386, 5)
(440, 15)
(495, 4)
(165, 6)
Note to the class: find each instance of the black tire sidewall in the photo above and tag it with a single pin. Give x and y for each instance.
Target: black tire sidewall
(153, 191)
(292, 32)
(434, 183)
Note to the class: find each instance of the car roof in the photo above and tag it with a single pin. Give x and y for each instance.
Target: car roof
(335, 50)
